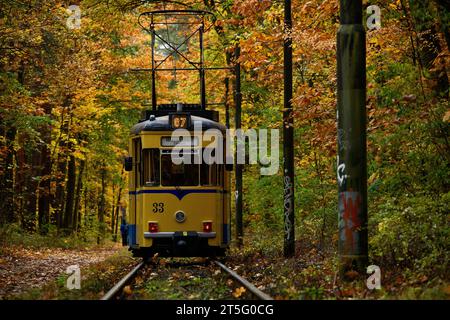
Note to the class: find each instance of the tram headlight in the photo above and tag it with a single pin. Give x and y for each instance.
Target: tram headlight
(180, 216)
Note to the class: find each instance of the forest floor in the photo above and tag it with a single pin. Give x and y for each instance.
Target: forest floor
(312, 274)
(28, 272)
(24, 268)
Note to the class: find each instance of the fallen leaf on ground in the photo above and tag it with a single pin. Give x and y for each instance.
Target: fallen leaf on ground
(127, 290)
(238, 292)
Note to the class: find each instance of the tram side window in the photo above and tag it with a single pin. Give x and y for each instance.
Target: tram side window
(151, 167)
(137, 159)
(219, 175)
(209, 174)
(178, 174)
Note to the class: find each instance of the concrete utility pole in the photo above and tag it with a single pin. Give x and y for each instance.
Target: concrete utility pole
(288, 138)
(352, 150)
(238, 102)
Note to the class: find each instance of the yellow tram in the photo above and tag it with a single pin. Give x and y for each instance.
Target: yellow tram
(177, 209)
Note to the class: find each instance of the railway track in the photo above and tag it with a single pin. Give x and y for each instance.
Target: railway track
(116, 290)
(249, 286)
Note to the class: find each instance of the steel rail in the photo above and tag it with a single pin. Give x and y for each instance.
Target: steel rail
(261, 295)
(119, 285)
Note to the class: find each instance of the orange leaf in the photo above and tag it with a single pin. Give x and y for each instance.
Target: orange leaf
(238, 292)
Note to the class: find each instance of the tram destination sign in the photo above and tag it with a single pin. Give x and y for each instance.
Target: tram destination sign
(181, 141)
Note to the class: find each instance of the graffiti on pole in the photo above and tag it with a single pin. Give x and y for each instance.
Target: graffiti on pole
(349, 222)
(288, 204)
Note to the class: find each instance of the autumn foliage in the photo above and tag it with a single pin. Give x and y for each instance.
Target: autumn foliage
(68, 99)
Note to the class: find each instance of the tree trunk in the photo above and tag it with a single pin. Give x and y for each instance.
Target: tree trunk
(117, 222)
(112, 207)
(19, 183)
(7, 178)
(61, 171)
(117, 209)
(76, 208)
(70, 190)
(102, 206)
(86, 212)
(33, 191)
(46, 171)
(58, 199)
(44, 196)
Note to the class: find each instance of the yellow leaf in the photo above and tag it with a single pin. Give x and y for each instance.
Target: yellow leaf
(127, 290)
(238, 292)
(446, 117)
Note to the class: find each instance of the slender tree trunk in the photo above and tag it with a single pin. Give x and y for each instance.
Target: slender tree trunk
(46, 171)
(102, 205)
(76, 208)
(7, 201)
(117, 222)
(58, 199)
(7, 178)
(44, 200)
(70, 190)
(26, 177)
(86, 212)
(117, 209)
(112, 209)
(30, 195)
(19, 183)
(61, 171)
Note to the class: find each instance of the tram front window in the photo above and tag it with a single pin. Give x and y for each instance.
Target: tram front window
(178, 174)
(151, 167)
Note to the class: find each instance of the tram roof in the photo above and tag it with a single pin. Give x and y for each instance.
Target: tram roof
(162, 124)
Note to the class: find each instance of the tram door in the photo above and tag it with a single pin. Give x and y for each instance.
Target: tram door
(134, 185)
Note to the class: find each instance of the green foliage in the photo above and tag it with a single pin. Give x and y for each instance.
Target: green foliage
(264, 207)
(312, 293)
(14, 234)
(410, 232)
(433, 291)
